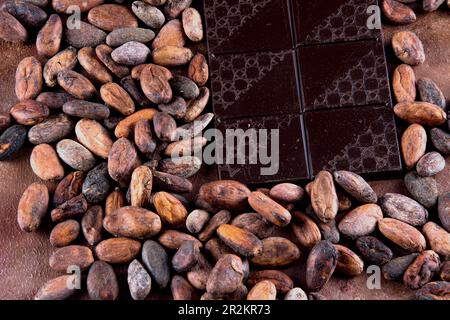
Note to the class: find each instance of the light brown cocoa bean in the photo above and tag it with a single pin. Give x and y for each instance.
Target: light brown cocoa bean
(361, 221)
(91, 225)
(29, 112)
(305, 230)
(125, 127)
(122, 161)
(28, 79)
(276, 252)
(423, 113)
(171, 34)
(94, 136)
(11, 29)
(45, 163)
(404, 84)
(196, 106)
(64, 233)
(103, 53)
(398, 12)
(94, 68)
(438, 238)
(241, 241)
(57, 289)
(282, 282)
(402, 234)
(111, 16)
(64, 60)
(408, 47)
(117, 250)
(173, 239)
(48, 40)
(192, 24)
(117, 98)
(32, 207)
(413, 144)
(76, 84)
(405, 209)
(73, 255)
(199, 70)
(269, 209)
(349, 263)
(171, 56)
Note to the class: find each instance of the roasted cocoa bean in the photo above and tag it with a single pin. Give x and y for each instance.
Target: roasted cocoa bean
(281, 281)
(57, 289)
(12, 141)
(48, 40)
(171, 56)
(170, 209)
(61, 6)
(439, 290)
(11, 30)
(422, 189)
(394, 269)
(29, 112)
(28, 79)
(51, 130)
(27, 13)
(269, 209)
(226, 276)
(54, 100)
(349, 263)
(220, 218)
(402, 234)
(122, 161)
(225, 194)
(136, 93)
(320, 265)
(430, 164)
(356, 186)
(397, 12)
(305, 230)
(45, 163)
(68, 188)
(199, 70)
(323, 197)
(32, 207)
(192, 24)
(241, 241)
(430, 92)
(404, 84)
(276, 252)
(64, 60)
(125, 127)
(64, 233)
(114, 201)
(438, 238)
(112, 16)
(296, 294)
(198, 276)
(441, 140)
(177, 108)
(408, 47)
(91, 225)
(197, 105)
(174, 8)
(422, 270)
(171, 34)
(103, 53)
(117, 98)
(121, 36)
(254, 223)
(186, 256)
(75, 155)
(444, 210)
(185, 167)
(102, 282)
(94, 68)
(374, 251)
(414, 144)
(72, 208)
(148, 14)
(405, 209)
(173, 239)
(361, 221)
(97, 184)
(66, 257)
(118, 250)
(184, 87)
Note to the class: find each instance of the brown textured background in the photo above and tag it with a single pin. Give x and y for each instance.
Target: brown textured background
(24, 257)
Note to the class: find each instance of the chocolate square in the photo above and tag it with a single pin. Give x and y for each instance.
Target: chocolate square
(320, 22)
(292, 156)
(362, 140)
(344, 74)
(235, 26)
(254, 84)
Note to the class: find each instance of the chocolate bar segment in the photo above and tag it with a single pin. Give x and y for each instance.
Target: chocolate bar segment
(235, 26)
(362, 140)
(254, 84)
(327, 21)
(290, 153)
(344, 74)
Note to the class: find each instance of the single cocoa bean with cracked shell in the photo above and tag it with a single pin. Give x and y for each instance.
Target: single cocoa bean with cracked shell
(394, 269)
(64, 233)
(403, 208)
(422, 270)
(32, 207)
(51, 129)
(441, 140)
(94, 136)
(12, 141)
(92, 225)
(48, 40)
(305, 230)
(430, 164)
(196, 106)
(141, 186)
(220, 218)
(157, 262)
(85, 35)
(269, 209)
(103, 53)
(171, 183)
(112, 16)
(402, 234)
(76, 84)
(404, 84)
(121, 36)
(323, 197)
(224, 194)
(423, 113)
(68, 188)
(63, 60)
(438, 239)
(171, 34)
(54, 100)
(174, 8)
(361, 221)
(185, 87)
(276, 252)
(349, 263)
(444, 210)
(173, 239)
(356, 186)
(182, 289)
(422, 189)
(226, 276)
(320, 265)
(73, 255)
(413, 144)
(125, 127)
(95, 69)
(432, 5)
(264, 290)
(186, 256)
(61, 6)
(97, 184)
(45, 163)
(28, 79)
(11, 29)
(198, 70)
(102, 282)
(117, 98)
(132, 222)
(185, 167)
(149, 14)
(408, 47)
(198, 276)
(172, 56)
(192, 24)
(196, 220)
(170, 209)
(117, 250)
(139, 281)
(439, 290)
(282, 282)
(86, 109)
(430, 92)
(27, 13)
(114, 201)
(29, 112)
(72, 208)
(75, 155)
(57, 289)
(398, 12)
(374, 251)
(241, 241)
(287, 192)
(254, 223)
(155, 84)
(131, 53)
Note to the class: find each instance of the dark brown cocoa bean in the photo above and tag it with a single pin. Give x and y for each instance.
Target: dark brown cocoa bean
(198, 276)
(182, 289)
(439, 290)
(102, 282)
(305, 230)
(86, 109)
(186, 257)
(91, 225)
(139, 281)
(27, 13)
(131, 87)
(441, 140)
(64, 233)
(28, 79)
(117, 250)
(122, 161)
(141, 186)
(143, 137)
(184, 87)
(48, 40)
(174, 8)
(157, 262)
(349, 263)
(54, 100)
(29, 112)
(97, 184)
(422, 270)
(66, 257)
(225, 194)
(12, 141)
(72, 208)
(177, 108)
(114, 201)
(374, 251)
(320, 265)
(121, 36)
(68, 188)
(402, 234)
(185, 167)
(254, 223)
(11, 29)
(276, 252)
(220, 218)
(155, 84)
(430, 92)
(76, 84)
(171, 183)
(444, 210)
(226, 276)
(394, 269)
(173, 239)
(51, 130)
(356, 186)
(32, 207)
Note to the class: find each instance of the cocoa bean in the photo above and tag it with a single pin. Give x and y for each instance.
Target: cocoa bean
(172, 183)
(12, 141)
(112, 16)
(103, 53)
(121, 36)
(11, 30)
(444, 210)
(296, 294)
(72, 208)
(141, 186)
(94, 68)
(323, 197)
(220, 218)
(86, 109)
(186, 256)
(405, 209)
(27, 13)
(125, 127)
(432, 5)
(177, 108)
(356, 186)
(438, 238)
(182, 289)
(186, 88)
(91, 225)
(226, 276)
(198, 276)
(430, 164)
(185, 147)
(172, 56)
(51, 130)
(139, 281)
(254, 223)
(192, 24)
(320, 265)
(269, 209)
(66, 257)
(195, 128)
(225, 194)
(264, 290)
(131, 53)
(422, 270)
(117, 98)
(398, 12)
(68, 188)
(394, 269)
(404, 84)
(430, 92)
(439, 290)
(349, 263)
(155, 84)
(281, 281)
(48, 40)
(408, 47)
(114, 201)
(64, 60)
(173, 239)
(441, 140)
(117, 250)
(136, 93)
(54, 100)
(97, 184)
(287, 192)
(85, 36)
(75, 155)
(197, 105)
(64, 233)
(157, 262)
(45, 163)
(361, 221)
(32, 207)
(102, 282)
(28, 79)
(170, 209)
(76, 84)
(402, 234)
(423, 113)
(276, 252)
(374, 251)
(174, 8)
(445, 271)
(56, 289)
(305, 230)
(196, 220)
(61, 6)
(171, 34)
(29, 112)
(148, 14)
(414, 144)
(199, 70)
(422, 189)
(93, 136)
(241, 241)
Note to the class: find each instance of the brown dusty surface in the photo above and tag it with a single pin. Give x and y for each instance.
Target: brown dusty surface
(24, 257)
